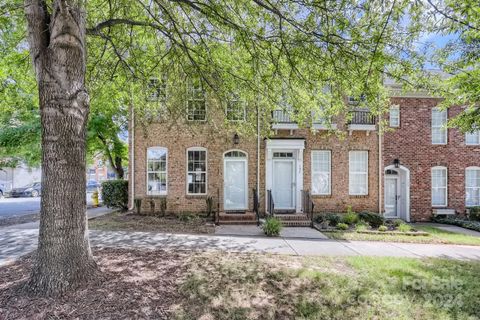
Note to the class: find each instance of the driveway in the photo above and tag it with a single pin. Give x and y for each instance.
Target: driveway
(10, 207)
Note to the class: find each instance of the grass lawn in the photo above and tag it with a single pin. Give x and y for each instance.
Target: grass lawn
(134, 222)
(195, 285)
(436, 236)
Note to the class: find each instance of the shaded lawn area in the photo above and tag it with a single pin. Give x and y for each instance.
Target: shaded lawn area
(437, 236)
(133, 222)
(197, 285)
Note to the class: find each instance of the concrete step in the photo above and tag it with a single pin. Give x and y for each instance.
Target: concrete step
(237, 222)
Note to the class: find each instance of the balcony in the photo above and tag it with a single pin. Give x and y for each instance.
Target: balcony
(362, 121)
(282, 120)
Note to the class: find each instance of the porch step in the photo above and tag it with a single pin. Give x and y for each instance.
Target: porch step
(290, 217)
(237, 218)
(299, 223)
(237, 222)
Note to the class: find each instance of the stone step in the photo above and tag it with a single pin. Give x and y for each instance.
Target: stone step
(297, 223)
(291, 217)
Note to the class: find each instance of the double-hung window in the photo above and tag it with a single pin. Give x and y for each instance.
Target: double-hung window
(472, 138)
(196, 101)
(321, 172)
(439, 130)
(235, 110)
(358, 173)
(472, 186)
(439, 186)
(196, 171)
(157, 89)
(395, 116)
(157, 171)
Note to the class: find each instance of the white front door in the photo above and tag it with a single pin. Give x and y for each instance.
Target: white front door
(391, 197)
(235, 184)
(283, 184)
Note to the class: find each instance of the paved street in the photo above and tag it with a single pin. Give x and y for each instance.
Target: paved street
(10, 207)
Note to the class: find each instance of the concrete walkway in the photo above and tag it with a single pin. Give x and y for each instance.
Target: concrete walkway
(254, 231)
(16, 242)
(447, 227)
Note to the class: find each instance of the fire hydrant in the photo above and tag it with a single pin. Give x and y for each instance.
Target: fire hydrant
(95, 198)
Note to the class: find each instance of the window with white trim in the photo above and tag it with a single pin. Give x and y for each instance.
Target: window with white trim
(157, 89)
(321, 172)
(439, 186)
(394, 116)
(439, 130)
(358, 173)
(157, 171)
(472, 186)
(196, 171)
(196, 101)
(235, 109)
(472, 138)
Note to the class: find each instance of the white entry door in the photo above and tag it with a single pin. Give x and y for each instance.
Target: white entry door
(235, 184)
(283, 184)
(391, 197)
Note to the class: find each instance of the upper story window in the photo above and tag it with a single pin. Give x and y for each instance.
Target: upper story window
(196, 171)
(439, 186)
(157, 89)
(321, 172)
(439, 130)
(472, 138)
(358, 173)
(394, 116)
(157, 171)
(196, 101)
(236, 109)
(472, 186)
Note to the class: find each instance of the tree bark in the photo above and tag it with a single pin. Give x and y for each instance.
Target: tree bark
(58, 49)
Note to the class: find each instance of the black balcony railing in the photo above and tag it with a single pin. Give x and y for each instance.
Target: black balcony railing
(281, 116)
(362, 117)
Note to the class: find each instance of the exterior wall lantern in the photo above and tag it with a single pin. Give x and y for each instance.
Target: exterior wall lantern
(236, 139)
(396, 162)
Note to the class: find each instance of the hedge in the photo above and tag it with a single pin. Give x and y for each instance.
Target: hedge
(115, 194)
(467, 224)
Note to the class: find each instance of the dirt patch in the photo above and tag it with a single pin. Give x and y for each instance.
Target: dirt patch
(10, 221)
(190, 224)
(137, 284)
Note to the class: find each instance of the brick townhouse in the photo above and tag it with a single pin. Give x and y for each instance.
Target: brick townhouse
(415, 169)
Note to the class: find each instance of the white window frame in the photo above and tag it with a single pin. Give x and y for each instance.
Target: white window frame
(394, 114)
(242, 104)
(441, 127)
(166, 172)
(466, 187)
(475, 133)
(351, 173)
(156, 86)
(189, 85)
(329, 172)
(446, 186)
(188, 172)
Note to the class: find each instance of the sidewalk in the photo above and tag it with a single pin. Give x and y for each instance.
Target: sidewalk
(16, 242)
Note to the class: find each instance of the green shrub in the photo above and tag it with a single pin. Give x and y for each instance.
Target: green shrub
(209, 202)
(350, 218)
(319, 218)
(397, 222)
(186, 216)
(457, 221)
(404, 227)
(372, 219)
(333, 219)
(382, 228)
(361, 227)
(115, 194)
(474, 214)
(342, 226)
(272, 227)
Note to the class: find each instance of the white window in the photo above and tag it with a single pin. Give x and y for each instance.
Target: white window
(439, 130)
(472, 186)
(358, 173)
(321, 172)
(157, 89)
(235, 110)
(157, 171)
(395, 116)
(196, 171)
(472, 138)
(439, 186)
(196, 102)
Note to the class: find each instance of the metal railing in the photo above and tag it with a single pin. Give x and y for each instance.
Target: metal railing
(362, 117)
(281, 116)
(270, 205)
(256, 205)
(307, 205)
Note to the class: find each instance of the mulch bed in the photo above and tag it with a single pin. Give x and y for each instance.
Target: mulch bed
(136, 284)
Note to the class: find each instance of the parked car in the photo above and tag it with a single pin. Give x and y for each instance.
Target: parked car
(30, 190)
(92, 185)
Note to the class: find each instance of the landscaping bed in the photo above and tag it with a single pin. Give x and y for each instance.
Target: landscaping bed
(10, 221)
(128, 221)
(156, 284)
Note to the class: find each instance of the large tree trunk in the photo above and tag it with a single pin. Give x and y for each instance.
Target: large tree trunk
(57, 43)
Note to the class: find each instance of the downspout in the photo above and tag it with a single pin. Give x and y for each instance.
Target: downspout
(380, 165)
(132, 159)
(258, 153)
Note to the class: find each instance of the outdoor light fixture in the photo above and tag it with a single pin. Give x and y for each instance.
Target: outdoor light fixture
(236, 138)
(396, 162)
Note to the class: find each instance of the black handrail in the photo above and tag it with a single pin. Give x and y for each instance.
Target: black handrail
(256, 205)
(362, 117)
(270, 203)
(307, 205)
